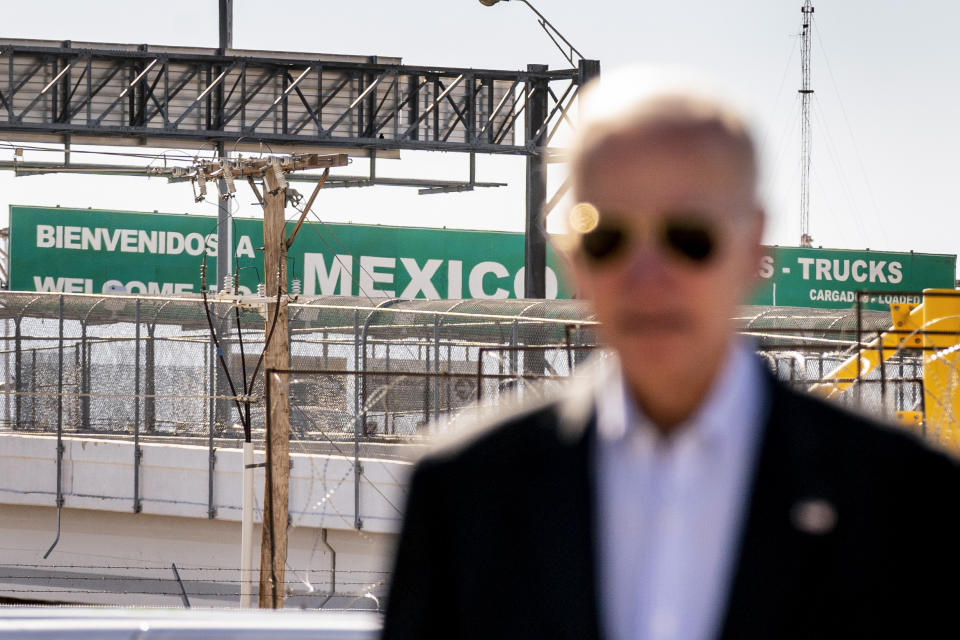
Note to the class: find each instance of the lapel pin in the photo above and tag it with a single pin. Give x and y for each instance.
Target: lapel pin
(815, 516)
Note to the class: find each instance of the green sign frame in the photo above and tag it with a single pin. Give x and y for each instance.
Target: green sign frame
(830, 278)
(98, 251)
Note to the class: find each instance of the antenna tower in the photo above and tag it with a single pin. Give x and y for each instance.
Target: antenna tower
(805, 94)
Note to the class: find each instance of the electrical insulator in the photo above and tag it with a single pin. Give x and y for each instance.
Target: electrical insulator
(228, 283)
(262, 290)
(296, 286)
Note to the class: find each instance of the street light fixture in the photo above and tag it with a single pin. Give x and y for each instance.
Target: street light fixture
(566, 48)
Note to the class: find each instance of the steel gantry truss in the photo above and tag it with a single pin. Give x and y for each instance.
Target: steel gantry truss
(96, 93)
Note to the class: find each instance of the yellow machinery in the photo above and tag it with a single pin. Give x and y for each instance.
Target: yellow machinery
(933, 326)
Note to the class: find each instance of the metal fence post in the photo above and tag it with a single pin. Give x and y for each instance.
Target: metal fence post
(56, 540)
(211, 358)
(223, 410)
(150, 380)
(436, 367)
(84, 378)
(357, 522)
(17, 373)
(514, 355)
(137, 451)
(211, 451)
(7, 398)
(883, 372)
(33, 388)
(75, 405)
(426, 385)
(60, 409)
(859, 387)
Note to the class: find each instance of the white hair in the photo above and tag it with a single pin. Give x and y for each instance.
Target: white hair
(641, 100)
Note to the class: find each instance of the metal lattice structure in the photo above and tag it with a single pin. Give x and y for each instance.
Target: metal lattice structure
(99, 93)
(806, 92)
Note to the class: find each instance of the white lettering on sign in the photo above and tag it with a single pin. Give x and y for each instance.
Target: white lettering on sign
(876, 271)
(131, 241)
(315, 272)
(194, 242)
(174, 243)
(71, 238)
(766, 267)
(823, 269)
(150, 288)
(63, 285)
(45, 236)
(840, 270)
(477, 275)
(378, 276)
(148, 240)
(128, 244)
(85, 285)
(858, 267)
(454, 279)
(831, 295)
(892, 299)
(370, 277)
(420, 279)
(895, 272)
(245, 248)
(110, 240)
(519, 286)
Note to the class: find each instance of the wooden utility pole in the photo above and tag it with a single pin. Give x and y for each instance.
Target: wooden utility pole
(273, 549)
(272, 171)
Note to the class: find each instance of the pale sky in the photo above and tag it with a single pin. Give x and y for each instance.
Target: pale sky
(886, 112)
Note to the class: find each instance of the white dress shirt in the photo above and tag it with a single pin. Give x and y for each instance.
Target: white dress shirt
(670, 509)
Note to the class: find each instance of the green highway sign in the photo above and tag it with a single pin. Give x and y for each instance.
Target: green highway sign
(93, 251)
(830, 278)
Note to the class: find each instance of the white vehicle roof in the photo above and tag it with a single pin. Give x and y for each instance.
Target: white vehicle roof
(43, 623)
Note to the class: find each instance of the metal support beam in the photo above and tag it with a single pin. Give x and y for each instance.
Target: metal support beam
(226, 25)
(535, 238)
(426, 185)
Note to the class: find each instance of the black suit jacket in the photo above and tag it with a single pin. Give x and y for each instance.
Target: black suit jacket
(498, 538)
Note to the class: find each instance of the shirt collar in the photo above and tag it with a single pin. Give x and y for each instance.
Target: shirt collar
(732, 403)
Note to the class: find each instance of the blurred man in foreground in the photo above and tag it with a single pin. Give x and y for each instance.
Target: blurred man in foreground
(677, 491)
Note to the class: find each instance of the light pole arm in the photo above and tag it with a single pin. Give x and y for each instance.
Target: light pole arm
(553, 33)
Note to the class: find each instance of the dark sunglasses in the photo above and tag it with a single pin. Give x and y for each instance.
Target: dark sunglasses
(685, 235)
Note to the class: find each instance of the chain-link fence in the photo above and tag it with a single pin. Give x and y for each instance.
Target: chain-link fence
(810, 347)
(112, 365)
(121, 365)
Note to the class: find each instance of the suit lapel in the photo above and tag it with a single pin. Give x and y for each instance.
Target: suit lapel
(786, 535)
(562, 522)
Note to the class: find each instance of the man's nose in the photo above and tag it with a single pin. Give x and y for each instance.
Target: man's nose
(646, 261)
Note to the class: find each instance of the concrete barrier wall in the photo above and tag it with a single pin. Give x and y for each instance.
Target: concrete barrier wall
(174, 481)
(108, 554)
